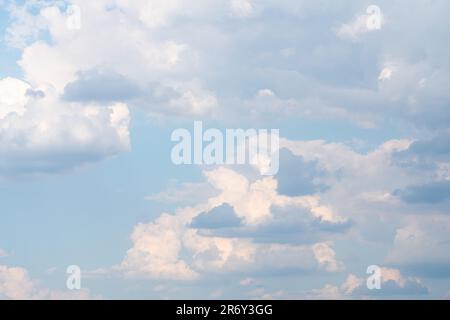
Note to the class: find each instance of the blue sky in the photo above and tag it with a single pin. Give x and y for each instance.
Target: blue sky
(89, 100)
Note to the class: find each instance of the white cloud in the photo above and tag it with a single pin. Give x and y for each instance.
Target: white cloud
(152, 13)
(247, 282)
(82, 294)
(161, 48)
(156, 249)
(13, 96)
(253, 201)
(361, 24)
(328, 292)
(42, 134)
(192, 99)
(265, 93)
(325, 255)
(353, 29)
(230, 61)
(351, 284)
(392, 283)
(191, 253)
(51, 66)
(158, 246)
(385, 74)
(15, 283)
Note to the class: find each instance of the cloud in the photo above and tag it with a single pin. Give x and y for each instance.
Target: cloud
(164, 54)
(296, 176)
(328, 292)
(393, 283)
(13, 96)
(421, 247)
(351, 284)
(225, 60)
(191, 99)
(264, 294)
(45, 135)
(247, 282)
(434, 192)
(100, 86)
(16, 284)
(151, 257)
(219, 217)
(361, 24)
(156, 249)
(300, 225)
(252, 202)
(152, 13)
(85, 69)
(385, 74)
(182, 246)
(325, 255)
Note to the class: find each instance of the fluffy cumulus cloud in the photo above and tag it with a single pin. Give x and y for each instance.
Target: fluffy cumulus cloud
(190, 250)
(15, 283)
(173, 51)
(156, 249)
(247, 226)
(41, 134)
(143, 53)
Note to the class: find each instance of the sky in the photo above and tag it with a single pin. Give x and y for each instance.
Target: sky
(91, 92)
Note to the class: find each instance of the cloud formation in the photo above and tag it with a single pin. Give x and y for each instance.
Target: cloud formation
(289, 64)
(16, 284)
(41, 135)
(209, 253)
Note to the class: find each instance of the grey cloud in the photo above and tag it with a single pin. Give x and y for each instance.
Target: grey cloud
(421, 151)
(100, 86)
(36, 94)
(290, 225)
(430, 193)
(220, 217)
(296, 176)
